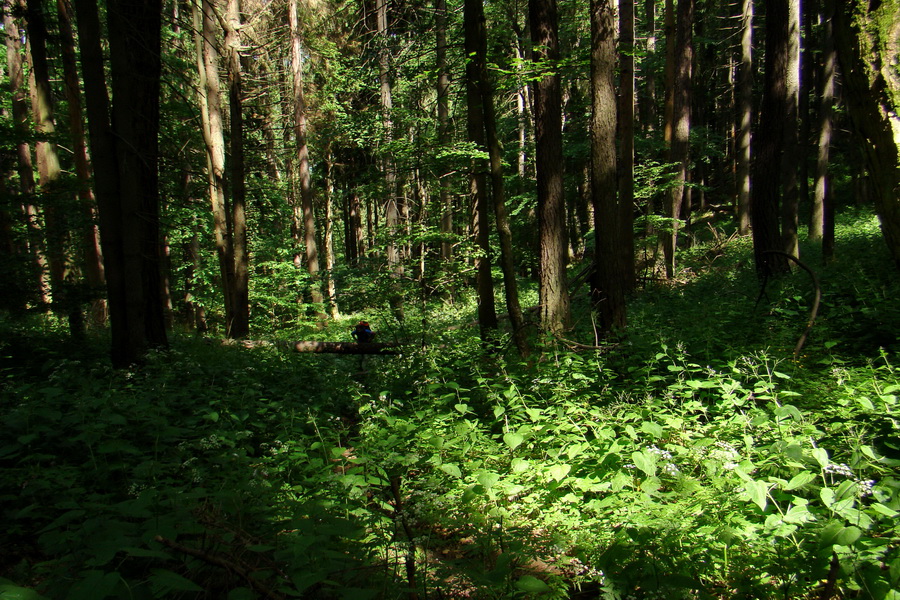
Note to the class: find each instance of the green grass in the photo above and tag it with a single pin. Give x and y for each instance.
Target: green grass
(697, 459)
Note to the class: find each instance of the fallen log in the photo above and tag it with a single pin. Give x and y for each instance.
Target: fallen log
(346, 347)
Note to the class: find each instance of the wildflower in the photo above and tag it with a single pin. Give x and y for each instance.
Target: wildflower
(671, 469)
(663, 454)
(865, 487)
(841, 469)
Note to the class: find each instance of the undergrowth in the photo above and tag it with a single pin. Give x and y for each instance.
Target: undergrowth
(695, 459)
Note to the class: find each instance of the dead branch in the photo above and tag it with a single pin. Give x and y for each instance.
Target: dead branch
(814, 309)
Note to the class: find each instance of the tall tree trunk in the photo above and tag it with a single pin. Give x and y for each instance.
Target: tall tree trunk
(49, 170)
(867, 36)
(125, 150)
(826, 116)
(626, 142)
(744, 117)
(89, 233)
(209, 98)
(443, 124)
(300, 126)
(24, 164)
(239, 326)
(679, 149)
(790, 201)
(554, 291)
(329, 240)
(487, 312)
(769, 143)
(608, 287)
(647, 106)
(392, 209)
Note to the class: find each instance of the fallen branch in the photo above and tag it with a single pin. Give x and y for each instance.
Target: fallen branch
(814, 309)
(322, 347)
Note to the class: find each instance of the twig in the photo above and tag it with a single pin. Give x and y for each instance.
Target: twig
(814, 309)
(411, 551)
(219, 561)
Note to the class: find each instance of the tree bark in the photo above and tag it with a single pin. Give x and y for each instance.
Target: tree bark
(554, 292)
(790, 201)
(239, 326)
(826, 116)
(300, 127)
(744, 117)
(625, 124)
(608, 288)
(443, 123)
(487, 312)
(867, 36)
(124, 147)
(769, 144)
(679, 149)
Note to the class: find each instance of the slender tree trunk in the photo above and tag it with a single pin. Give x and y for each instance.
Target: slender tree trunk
(608, 287)
(554, 292)
(209, 97)
(89, 233)
(239, 327)
(300, 127)
(648, 115)
(24, 164)
(392, 210)
(443, 125)
(626, 142)
(329, 240)
(487, 312)
(744, 117)
(769, 143)
(826, 116)
(679, 150)
(49, 173)
(790, 201)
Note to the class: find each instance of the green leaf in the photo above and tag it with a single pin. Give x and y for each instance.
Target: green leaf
(462, 408)
(654, 429)
(488, 479)
(848, 535)
(452, 470)
(532, 585)
(513, 440)
(559, 472)
(519, 465)
(165, 581)
(757, 491)
(11, 591)
(799, 480)
(645, 464)
(821, 456)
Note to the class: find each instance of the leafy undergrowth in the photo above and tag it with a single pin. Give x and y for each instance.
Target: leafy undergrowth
(697, 459)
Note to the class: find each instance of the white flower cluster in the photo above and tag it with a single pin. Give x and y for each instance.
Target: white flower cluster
(669, 468)
(726, 454)
(864, 486)
(274, 449)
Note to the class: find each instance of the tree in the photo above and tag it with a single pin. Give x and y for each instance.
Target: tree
(790, 201)
(679, 147)
(554, 291)
(769, 144)
(867, 36)
(608, 286)
(822, 195)
(125, 149)
(744, 117)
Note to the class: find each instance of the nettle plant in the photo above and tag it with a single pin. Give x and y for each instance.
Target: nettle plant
(679, 480)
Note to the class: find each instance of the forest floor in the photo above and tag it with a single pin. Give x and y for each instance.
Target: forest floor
(697, 458)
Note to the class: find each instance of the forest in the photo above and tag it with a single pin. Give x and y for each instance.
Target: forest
(450, 299)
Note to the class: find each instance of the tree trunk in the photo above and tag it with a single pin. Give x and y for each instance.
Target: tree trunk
(790, 201)
(124, 147)
(306, 196)
(209, 98)
(769, 144)
(24, 164)
(744, 117)
(89, 234)
(626, 142)
(443, 124)
(554, 292)
(48, 167)
(679, 149)
(647, 106)
(867, 36)
(487, 312)
(826, 116)
(329, 240)
(608, 286)
(239, 326)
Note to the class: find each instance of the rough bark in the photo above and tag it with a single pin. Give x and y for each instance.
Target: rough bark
(487, 312)
(554, 292)
(790, 201)
(625, 124)
(608, 290)
(867, 36)
(769, 144)
(679, 148)
(826, 116)
(744, 117)
(443, 124)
